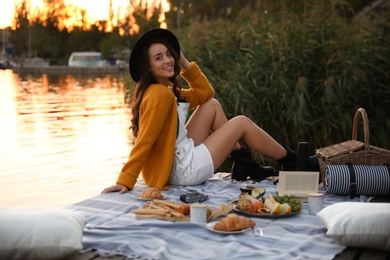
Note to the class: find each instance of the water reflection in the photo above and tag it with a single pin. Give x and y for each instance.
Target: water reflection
(62, 138)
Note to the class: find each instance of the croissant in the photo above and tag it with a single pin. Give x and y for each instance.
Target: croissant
(152, 193)
(233, 222)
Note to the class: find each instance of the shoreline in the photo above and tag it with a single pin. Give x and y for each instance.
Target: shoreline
(71, 70)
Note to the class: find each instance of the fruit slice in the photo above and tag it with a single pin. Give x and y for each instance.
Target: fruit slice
(271, 197)
(249, 197)
(285, 208)
(249, 208)
(263, 211)
(258, 204)
(257, 192)
(274, 208)
(242, 202)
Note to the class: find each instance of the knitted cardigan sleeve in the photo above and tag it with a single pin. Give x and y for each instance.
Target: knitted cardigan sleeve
(157, 125)
(200, 89)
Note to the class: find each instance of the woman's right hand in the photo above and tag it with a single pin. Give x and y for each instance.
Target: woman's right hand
(117, 187)
(183, 62)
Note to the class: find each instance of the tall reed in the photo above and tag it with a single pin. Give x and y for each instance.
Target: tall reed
(299, 75)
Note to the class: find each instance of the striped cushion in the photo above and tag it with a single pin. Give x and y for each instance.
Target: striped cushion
(370, 180)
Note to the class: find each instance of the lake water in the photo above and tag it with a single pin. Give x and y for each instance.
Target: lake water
(63, 138)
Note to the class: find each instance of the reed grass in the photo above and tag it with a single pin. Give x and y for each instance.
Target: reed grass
(300, 75)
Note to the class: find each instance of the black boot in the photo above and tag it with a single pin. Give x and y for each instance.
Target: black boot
(314, 165)
(244, 166)
(288, 162)
(306, 162)
(300, 161)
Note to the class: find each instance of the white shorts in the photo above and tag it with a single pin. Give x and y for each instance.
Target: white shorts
(196, 171)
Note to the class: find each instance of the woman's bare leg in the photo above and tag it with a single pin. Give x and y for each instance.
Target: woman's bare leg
(209, 125)
(206, 119)
(223, 140)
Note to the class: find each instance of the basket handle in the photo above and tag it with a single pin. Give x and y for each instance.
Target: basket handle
(363, 113)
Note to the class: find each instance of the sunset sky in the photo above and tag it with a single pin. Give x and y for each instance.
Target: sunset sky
(96, 9)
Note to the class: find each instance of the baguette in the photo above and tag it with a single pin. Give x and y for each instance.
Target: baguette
(167, 203)
(152, 206)
(159, 212)
(176, 214)
(152, 209)
(178, 207)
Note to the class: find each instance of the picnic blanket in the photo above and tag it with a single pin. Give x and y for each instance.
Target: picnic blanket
(113, 229)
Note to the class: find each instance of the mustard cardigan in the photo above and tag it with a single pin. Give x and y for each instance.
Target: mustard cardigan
(154, 148)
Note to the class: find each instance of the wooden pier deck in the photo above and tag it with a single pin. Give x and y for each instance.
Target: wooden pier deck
(348, 254)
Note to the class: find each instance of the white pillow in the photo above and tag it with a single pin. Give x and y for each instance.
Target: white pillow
(358, 224)
(39, 233)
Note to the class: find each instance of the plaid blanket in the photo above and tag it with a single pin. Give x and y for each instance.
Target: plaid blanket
(113, 229)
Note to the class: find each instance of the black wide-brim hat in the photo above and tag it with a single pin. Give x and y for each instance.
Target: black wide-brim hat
(136, 52)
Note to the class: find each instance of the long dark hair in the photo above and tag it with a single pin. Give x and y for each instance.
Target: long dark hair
(146, 79)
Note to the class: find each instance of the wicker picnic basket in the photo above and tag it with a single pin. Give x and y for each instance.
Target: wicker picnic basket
(353, 151)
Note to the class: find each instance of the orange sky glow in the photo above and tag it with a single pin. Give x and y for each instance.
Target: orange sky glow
(95, 10)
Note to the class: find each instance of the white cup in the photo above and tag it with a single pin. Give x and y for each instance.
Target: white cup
(198, 213)
(315, 202)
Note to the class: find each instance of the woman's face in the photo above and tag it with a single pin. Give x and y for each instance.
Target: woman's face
(161, 63)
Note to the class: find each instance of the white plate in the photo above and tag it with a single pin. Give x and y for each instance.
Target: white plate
(139, 198)
(210, 226)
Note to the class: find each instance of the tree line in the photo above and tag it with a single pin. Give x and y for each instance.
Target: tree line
(43, 33)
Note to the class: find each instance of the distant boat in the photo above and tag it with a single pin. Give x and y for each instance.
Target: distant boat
(86, 59)
(35, 62)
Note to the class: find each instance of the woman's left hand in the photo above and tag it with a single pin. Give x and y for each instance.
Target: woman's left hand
(118, 187)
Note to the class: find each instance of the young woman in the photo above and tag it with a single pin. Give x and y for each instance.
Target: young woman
(169, 150)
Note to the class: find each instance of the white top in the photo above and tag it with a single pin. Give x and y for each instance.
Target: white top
(184, 146)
